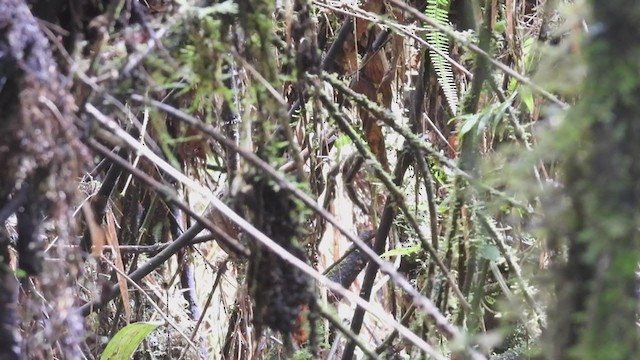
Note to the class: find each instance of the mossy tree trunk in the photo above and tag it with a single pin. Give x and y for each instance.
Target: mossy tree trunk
(597, 302)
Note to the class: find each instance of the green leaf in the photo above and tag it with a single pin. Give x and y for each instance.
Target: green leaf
(469, 122)
(126, 341)
(489, 300)
(489, 252)
(485, 117)
(528, 53)
(439, 11)
(402, 251)
(21, 274)
(342, 141)
(527, 97)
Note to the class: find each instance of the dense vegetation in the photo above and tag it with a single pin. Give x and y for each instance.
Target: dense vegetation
(258, 179)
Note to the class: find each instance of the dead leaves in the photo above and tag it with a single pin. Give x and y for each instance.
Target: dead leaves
(112, 240)
(372, 130)
(107, 234)
(374, 74)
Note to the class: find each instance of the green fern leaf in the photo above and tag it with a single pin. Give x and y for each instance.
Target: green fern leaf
(439, 11)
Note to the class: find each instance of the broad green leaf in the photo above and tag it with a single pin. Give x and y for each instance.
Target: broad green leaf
(469, 122)
(126, 341)
(485, 117)
(528, 52)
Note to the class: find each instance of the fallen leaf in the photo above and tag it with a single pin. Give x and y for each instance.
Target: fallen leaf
(112, 240)
(95, 230)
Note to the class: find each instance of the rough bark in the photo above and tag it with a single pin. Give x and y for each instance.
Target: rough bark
(39, 152)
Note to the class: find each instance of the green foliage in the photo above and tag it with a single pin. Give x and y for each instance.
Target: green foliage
(302, 354)
(342, 141)
(500, 26)
(525, 94)
(439, 11)
(21, 274)
(491, 116)
(489, 252)
(201, 47)
(127, 340)
(403, 251)
(199, 43)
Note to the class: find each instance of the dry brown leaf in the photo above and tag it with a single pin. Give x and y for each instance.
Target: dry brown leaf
(112, 240)
(225, 225)
(362, 26)
(360, 35)
(453, 144)
(375, 66)
(398, 57)
(372, 131)
(95, 230)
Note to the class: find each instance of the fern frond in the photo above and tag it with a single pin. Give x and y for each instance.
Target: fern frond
(439, 11)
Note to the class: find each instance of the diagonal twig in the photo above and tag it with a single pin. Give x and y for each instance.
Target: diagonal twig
(279, 250)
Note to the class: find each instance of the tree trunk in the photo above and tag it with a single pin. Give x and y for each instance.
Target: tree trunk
(596, 306)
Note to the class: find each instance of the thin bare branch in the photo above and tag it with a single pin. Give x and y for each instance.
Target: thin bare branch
(284, 254)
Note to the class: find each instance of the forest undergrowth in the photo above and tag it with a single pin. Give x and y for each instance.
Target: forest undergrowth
(298, 179)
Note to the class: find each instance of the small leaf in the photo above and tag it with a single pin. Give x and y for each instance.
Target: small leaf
(342, 141)
(526, 96)
(489, 300)
(490, 252)
(111, 235)
(513, 84)
(500, 26)
(402, 251)
(21, 274)
(98, 237)
(126, 341)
